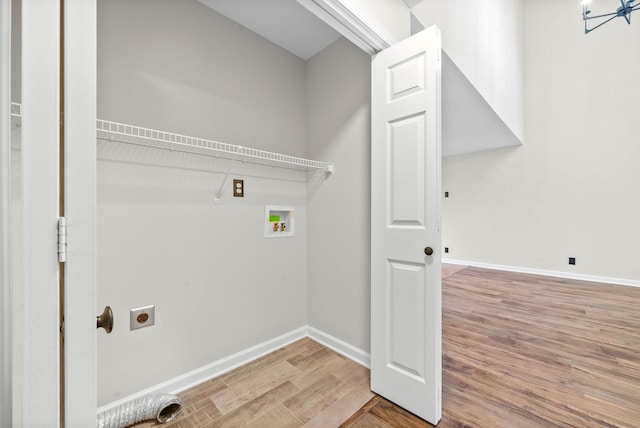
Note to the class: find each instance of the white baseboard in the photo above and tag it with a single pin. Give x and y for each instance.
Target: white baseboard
(358, 355)
(543, 272)
(223, 365)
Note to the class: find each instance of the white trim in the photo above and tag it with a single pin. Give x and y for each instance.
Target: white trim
(80, 382)
(40, 154)
(6, 300)
(543, 272)
(214, 369)
(353, 23)
(226, 364)
(358, 355)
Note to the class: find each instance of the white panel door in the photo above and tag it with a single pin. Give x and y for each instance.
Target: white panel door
(406, 327)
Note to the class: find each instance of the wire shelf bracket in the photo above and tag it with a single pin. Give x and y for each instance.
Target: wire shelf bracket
(218, 195)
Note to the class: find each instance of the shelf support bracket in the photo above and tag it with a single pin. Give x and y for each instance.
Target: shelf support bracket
(216, 199)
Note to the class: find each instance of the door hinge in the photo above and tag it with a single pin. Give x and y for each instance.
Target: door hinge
(62, 240)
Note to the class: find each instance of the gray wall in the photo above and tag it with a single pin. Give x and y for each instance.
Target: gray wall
(571, 189)
(339, 124)
(181, 66)
(219, 287)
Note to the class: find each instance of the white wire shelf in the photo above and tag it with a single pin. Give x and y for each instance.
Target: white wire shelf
(130, 134)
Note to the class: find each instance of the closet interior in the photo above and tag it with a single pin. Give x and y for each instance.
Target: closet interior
(188, 102)
(171, 232)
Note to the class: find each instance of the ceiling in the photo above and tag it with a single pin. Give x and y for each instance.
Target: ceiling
(284, 22)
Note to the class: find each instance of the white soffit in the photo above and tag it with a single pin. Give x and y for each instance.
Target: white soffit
(284, 22)
(469, 124)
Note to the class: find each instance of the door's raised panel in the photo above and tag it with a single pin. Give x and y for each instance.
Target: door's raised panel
(406, 172)
(407, 77)
(405, 312)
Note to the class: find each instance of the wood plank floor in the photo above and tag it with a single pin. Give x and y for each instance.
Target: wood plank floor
(518, 351)
(302, 384)
(528, 351)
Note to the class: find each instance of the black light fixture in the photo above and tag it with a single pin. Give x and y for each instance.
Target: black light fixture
(624, 10)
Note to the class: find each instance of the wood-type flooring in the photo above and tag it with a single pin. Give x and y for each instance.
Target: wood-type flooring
(519, 351)
(302, 384)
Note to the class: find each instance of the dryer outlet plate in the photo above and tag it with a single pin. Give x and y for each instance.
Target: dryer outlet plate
(142, 317)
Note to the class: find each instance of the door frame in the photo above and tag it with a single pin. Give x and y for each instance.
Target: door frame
(80, 208)
(352, 23)
(40, 165)
(6, 297)
(47, 399)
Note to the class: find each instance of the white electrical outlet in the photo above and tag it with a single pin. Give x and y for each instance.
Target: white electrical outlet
(142, 317)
